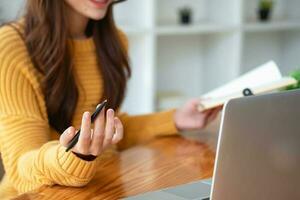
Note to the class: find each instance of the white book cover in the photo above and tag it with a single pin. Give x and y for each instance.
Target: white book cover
(265, 78)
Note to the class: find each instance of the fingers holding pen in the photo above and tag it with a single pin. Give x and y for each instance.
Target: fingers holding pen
(98, 136)
(108, 130)
(85, 134)
(67, 136)
(119, 130)
(109, 127)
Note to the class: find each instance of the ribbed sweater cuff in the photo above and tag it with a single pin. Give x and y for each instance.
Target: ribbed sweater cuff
(71, 166)
(74, 165)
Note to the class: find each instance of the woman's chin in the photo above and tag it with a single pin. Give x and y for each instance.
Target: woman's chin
(97, 16)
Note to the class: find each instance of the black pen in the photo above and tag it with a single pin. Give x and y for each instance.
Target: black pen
(74, 141)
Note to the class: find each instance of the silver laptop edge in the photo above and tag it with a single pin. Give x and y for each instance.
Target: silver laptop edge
(218, 148)
(258, 154)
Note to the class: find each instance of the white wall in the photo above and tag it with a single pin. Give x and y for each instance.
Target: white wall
(10, 9)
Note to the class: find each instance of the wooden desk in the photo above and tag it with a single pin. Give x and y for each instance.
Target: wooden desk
(162, 163)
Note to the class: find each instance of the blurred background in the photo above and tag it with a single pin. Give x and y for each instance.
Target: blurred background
(184, 48)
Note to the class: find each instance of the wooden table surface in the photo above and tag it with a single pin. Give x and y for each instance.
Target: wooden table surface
(162, 163)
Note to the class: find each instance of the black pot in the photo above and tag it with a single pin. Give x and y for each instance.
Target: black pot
(185, 18)
(264, 14)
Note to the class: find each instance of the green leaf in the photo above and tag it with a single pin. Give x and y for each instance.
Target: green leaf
(296, 75)
(266, 4)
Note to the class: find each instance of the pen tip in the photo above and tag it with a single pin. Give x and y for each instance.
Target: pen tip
(104, 102)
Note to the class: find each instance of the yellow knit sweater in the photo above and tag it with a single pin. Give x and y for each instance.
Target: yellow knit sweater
(29, 147)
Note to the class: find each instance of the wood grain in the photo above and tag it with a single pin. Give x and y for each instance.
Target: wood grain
(162, 163)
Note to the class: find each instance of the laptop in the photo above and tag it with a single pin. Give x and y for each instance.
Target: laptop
(258, 153)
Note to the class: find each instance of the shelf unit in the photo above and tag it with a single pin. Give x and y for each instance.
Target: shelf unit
(173, 62)
(224, 41)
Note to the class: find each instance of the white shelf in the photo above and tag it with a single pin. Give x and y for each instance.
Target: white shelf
(271, 26)
(193, 29)
(204, 28)
(134, 30)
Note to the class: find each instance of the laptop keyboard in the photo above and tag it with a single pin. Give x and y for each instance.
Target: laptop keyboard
(193, 191)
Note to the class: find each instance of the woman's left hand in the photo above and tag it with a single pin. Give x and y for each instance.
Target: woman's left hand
(190, 117)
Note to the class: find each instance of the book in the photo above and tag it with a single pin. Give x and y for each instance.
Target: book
(263, 79)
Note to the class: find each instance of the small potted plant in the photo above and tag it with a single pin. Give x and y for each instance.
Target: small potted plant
(185, 15)
(265, 9)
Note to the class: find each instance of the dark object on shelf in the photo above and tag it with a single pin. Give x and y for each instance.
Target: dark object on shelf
(264, 15)
(265, 10)
(186, 15)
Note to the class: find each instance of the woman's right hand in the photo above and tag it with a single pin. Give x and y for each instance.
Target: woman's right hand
(94, 141)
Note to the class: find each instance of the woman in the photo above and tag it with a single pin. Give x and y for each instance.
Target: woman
(57, 63)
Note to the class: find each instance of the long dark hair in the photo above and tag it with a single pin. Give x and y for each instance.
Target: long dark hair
(46, 37)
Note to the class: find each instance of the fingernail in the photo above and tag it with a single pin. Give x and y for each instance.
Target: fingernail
(86, 115)
(70, 130)
(110, 112)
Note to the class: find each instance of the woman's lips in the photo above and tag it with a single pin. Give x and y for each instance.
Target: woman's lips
(99, 3)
